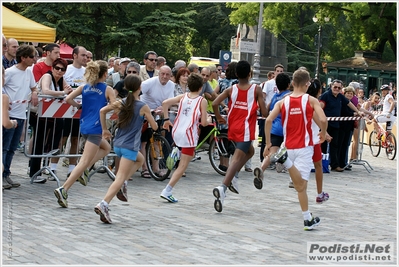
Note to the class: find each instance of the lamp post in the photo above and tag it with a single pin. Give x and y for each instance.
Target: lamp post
(256, 66)
(315, 19)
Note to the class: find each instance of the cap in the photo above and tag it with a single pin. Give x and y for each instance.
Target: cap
(125, 59)
(385, 87)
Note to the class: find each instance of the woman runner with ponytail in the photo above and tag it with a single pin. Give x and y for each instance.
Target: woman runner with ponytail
(132, 113)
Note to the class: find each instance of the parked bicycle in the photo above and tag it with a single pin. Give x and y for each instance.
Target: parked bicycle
(157, 151)
(384, 139)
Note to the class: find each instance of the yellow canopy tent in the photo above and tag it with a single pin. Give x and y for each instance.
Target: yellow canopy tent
(23, 29)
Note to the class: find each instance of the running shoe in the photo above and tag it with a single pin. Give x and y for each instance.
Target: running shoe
(40, 180)
(102, 210)
(84, 178)
(234, 185)
(219, 193)
(258, 180)
(62, 196)
(291, 184)
(280, 168)
(280, 156)
(322, 199)
(310, 225)
(168, 197)
(122, 193)
(173, 158)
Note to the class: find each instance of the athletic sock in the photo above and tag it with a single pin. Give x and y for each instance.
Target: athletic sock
(288, 163)
(307, 215)
(53, 166)
(224, 188)
(105, 203)
(168, 188)
(71, 167)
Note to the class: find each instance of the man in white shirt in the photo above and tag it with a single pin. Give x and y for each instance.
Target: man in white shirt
(20, 86)
(269, 88)
(154, 91)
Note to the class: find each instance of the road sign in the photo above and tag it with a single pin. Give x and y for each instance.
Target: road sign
(248, 47)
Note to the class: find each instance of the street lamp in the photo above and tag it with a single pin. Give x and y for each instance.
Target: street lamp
(315, 19)
(256, 67)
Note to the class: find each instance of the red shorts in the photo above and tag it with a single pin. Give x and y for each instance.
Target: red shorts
(317, 155)
(189, 151)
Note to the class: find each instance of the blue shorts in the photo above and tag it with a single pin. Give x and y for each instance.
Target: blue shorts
(126, 153)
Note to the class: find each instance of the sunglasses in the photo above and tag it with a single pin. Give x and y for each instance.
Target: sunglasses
(58, 68)
(219, 69)
(152, 59)
(32, 56)
(131, 71)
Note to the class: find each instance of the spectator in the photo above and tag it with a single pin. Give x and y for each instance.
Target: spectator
(161, 61)
(150, 61)
(154, 91)
(19, 84)
(131, 68)
(89, 56)
(115, 77)
(9, 57)
(193, 68)
(331, 101)
(52, 53)
(4, 44)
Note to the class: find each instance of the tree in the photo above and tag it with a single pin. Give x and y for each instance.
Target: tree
(352, 26)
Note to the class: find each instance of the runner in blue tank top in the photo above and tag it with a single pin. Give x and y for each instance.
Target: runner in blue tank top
(95, 95)
(127, 141)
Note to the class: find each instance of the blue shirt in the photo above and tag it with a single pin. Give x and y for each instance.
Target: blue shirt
(93, 99)
(129, 137)
(7, 63)
(332, 106)
(277, 127)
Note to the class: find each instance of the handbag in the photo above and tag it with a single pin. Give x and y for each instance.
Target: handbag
(325, 160)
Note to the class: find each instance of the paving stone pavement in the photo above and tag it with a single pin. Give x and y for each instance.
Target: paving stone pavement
(256, 227)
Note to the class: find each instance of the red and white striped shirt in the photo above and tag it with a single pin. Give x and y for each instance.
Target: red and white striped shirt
(185, 128)
(296, 118)
(242, 115)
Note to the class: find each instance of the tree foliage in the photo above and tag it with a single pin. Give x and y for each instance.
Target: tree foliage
(173, 30)
(352, 26)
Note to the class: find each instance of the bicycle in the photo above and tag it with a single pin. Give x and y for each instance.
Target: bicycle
(384, 139)
(157, 151)
(220, 148)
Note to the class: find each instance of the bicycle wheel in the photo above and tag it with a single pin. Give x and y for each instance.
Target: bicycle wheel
(374, 143)
(156, 153)
(391, 146)
(220, 152)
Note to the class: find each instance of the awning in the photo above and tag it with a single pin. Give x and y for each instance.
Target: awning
(23, 29)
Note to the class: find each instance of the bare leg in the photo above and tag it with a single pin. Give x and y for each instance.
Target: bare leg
(126, 169)
(237, 162)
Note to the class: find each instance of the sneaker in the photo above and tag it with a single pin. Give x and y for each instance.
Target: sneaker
(46, 172)
(258, 180)
(291, 184)
(28, 171)
(51, 178)
(322, 199)
(173, 158)
(280, 156)
(216, 155)
(8, 180)
(280, 168)
(122, 193)
(309, 225)
(62, 196)
(102, 210)
(7, 186)
(272, 166)
(219, 193)
(40, 180)
(169, 198)
(234, 185)
(84, 178)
